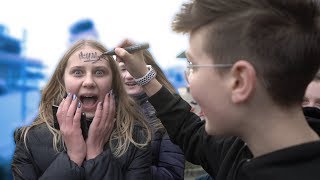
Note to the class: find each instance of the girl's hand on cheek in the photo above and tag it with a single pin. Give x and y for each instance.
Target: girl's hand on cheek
(68, 115)
(101, 126)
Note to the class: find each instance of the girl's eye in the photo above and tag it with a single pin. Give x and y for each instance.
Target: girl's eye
(77, 72)
(99, 72)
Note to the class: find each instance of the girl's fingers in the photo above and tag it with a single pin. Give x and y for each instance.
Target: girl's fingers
(112, 108)
(97, 116)
(105, 109)
(71, 109)
(109, 112)
(77, 116)
(110, 119)
(67, 103)
(64, 108)
(59, 114)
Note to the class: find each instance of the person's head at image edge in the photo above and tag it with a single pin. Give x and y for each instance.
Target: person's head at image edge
(83, 57)
(264, 56)
(312, 94)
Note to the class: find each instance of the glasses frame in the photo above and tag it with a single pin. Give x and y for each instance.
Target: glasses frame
(190, 67)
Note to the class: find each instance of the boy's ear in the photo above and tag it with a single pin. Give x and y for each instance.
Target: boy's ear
(243, 81)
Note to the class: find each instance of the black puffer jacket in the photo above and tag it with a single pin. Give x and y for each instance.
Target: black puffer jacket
(167, 158)
(41, 161)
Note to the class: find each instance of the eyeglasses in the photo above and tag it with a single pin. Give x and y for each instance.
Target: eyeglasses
(190, 68)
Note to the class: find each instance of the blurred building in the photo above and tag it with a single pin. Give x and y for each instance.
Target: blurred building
(20, 79)
(82, 29)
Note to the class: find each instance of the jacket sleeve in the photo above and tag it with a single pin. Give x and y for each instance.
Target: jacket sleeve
(186, 129)
(24, 166)
(63, 168)
(170, 161)
(104, 166)
(139, 167)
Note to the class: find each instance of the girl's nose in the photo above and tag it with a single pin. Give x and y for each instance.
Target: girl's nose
(88, 82)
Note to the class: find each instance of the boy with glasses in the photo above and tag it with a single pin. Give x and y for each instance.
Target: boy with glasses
(262, 54)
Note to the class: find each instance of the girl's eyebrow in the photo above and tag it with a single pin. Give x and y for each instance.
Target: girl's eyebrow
(104, 67)
(73, 67)
(94, 67)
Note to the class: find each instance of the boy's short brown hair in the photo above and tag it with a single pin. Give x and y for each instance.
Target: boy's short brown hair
(280, 38)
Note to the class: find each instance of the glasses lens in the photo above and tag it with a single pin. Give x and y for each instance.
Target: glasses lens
(186, 74)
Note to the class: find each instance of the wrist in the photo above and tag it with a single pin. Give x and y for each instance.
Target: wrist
(147, 77)
(76, 156)
(93, 154)
(152, 87)
(141, 73)
(77, 160)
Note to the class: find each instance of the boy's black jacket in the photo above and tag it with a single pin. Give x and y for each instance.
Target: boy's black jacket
(230, 158)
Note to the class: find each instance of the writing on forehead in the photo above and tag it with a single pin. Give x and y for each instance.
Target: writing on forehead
(89, 56)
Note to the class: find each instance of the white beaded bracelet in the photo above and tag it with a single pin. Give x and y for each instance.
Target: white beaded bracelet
(147, 77)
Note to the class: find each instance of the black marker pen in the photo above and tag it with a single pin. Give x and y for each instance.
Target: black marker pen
(130, 49)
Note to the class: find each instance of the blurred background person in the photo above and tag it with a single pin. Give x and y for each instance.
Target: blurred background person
(312, 94)
(167, 158)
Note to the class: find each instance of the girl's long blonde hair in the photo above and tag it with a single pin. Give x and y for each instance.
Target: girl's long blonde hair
(127, 116)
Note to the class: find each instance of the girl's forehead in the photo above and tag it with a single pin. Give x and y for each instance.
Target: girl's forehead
(87, 48)
(87, 55)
